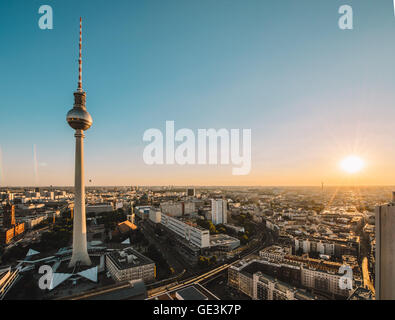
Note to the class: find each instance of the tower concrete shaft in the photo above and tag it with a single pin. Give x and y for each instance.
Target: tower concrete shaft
(80, 249)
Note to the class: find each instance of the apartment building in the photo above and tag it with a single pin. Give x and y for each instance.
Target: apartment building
(269, 288)
(194, 234)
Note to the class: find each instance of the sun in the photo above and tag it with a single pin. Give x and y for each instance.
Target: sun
(352, 164)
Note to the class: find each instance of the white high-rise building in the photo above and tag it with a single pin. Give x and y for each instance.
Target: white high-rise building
(385, 251)
(219, 211)
(154, 215)
(192, 233)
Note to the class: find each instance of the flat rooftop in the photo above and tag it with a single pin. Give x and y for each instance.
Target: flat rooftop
(361, 294)
(221, 239)
(252, 268)
(128, 258)
(191, 293)
(274, 249)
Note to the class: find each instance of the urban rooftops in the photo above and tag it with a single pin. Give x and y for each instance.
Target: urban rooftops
(190, 293)
(128, 258)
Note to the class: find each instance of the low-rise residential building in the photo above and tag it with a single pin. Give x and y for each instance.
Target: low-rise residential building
(178, 209)
(31, 222)
(6, 235)
(275, 253)
(99, 208)
(323, 277)
(269, 288)
(223, 243)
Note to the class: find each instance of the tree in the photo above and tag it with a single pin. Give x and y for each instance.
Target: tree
(203, 262)
(221, 229)
(212, 229)
(207, 224)
(243, 239)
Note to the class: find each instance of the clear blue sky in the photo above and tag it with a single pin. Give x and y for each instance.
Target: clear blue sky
(310, 92)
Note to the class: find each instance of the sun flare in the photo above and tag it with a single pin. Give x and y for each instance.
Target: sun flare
(352, 164)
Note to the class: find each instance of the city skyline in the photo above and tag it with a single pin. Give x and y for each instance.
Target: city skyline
(234, 151)
(312, 95)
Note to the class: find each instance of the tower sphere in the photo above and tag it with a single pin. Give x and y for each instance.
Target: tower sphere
(79, 119)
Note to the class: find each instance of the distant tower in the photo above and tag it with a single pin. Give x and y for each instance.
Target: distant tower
(80, 120)
(8, 216)
(130, 217)
(190, 192)
(219, 211)
(385, 251)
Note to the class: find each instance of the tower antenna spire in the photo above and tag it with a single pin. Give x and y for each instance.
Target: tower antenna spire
(80, 60)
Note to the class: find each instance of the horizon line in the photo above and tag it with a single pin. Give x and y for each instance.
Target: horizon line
(200, 186)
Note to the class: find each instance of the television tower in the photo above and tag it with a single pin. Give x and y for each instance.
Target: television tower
(80, 120)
